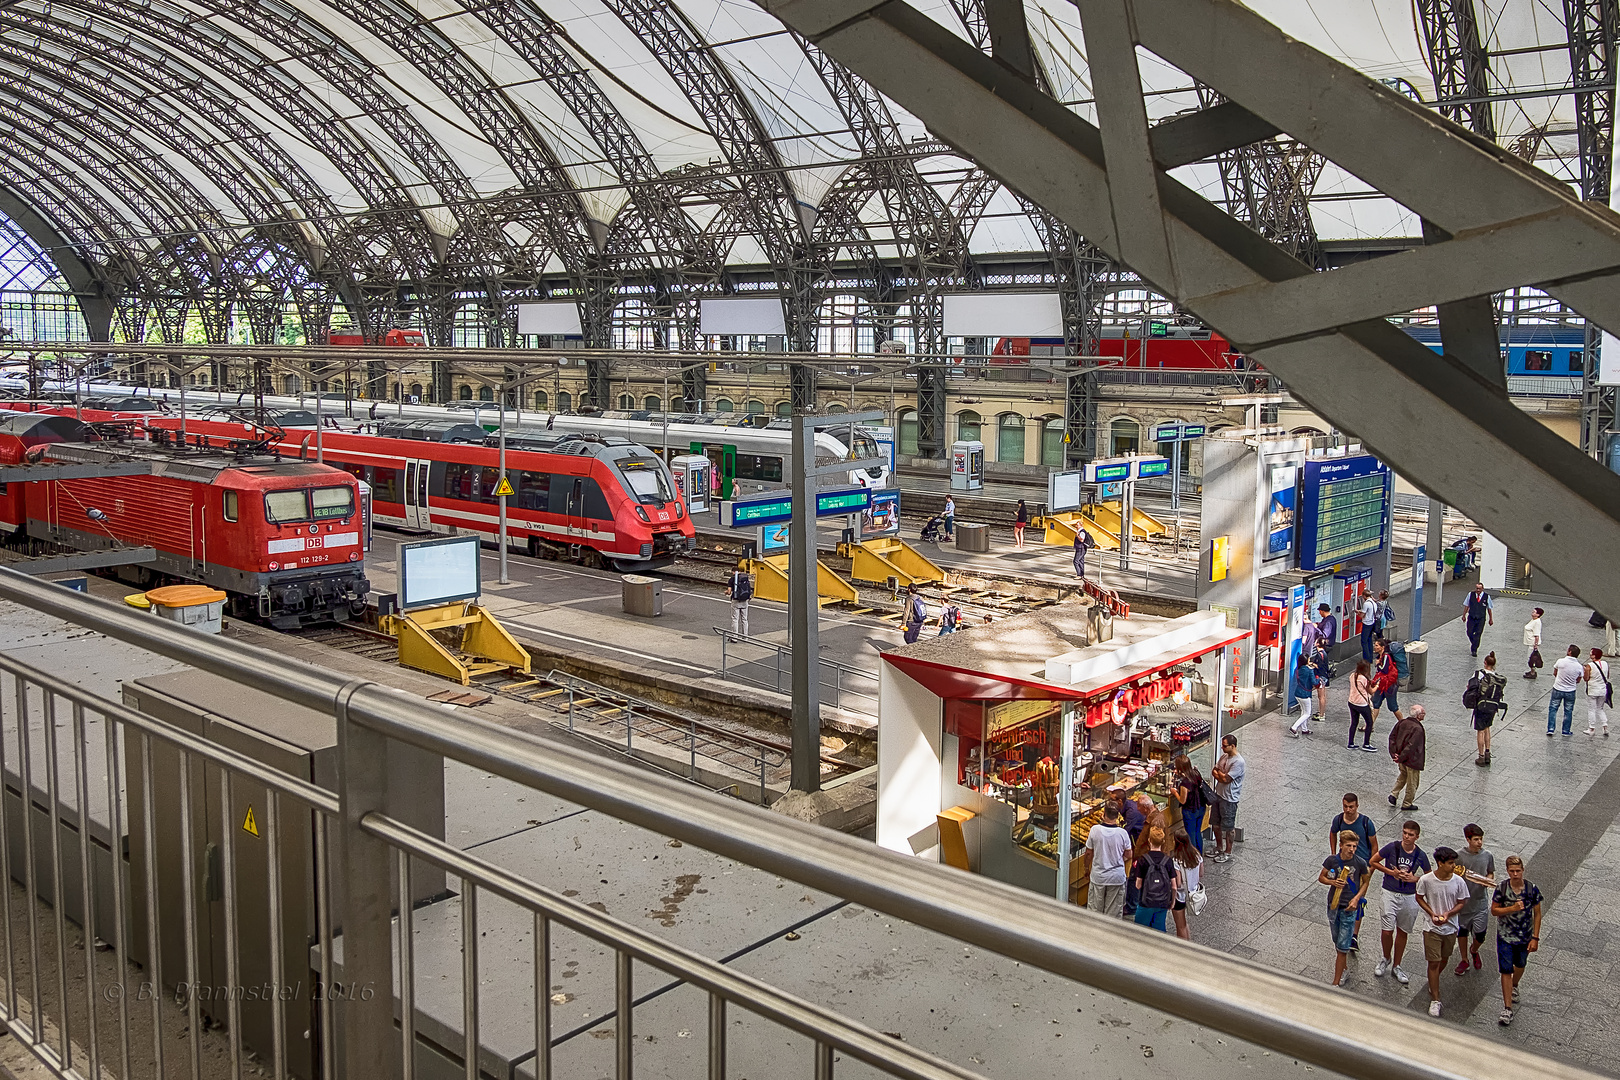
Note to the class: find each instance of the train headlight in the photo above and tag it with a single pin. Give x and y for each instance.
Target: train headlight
(642, 512)
(354, 556)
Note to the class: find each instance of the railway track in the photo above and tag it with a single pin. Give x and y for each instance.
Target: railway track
(613, 718)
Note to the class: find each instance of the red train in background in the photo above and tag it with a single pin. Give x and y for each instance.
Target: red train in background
(606, 501)
(1180, 349)
(286, 539)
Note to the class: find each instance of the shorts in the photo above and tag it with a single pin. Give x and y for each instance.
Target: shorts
(1475, 923)
(1380, 697)
(1153, 917)
(1437, 947)
(1342, 927)
(1226, 814)
(1484, 720)
(1511, 955)
(1401, 912)
(1321, 682)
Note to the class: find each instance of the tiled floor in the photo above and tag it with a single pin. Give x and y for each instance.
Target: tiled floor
(1552, 801)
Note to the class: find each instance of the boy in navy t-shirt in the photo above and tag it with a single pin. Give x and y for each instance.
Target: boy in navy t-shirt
(1347, 876)
(1402, 863)
(1361, 825)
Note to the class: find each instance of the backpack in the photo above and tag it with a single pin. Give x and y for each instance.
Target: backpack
(1490, 691)
(742, 587)
(917, 614)
(1471, 693)
(1205, 792)
(1158, 881)
(951, 616)
(1397, 652)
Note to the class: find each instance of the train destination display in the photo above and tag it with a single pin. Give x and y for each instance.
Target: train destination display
(1344, 510)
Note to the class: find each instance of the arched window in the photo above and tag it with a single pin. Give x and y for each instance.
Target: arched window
(486, 393)
(784, 408)
(627, 402)
(837, 407)
(755, 407)
(1052, 442)
(465, 393)
(723, 405)
(967, 426)
(1124, 436)
(907, 433)
(541, 399)
(416, 390)
(565, 401)
(653, 403)
(1010, 439)
(289, 384)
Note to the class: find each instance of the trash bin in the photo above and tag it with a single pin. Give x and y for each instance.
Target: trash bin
(196, 606)
(972, 537)
(1417, 665)
(643, 596)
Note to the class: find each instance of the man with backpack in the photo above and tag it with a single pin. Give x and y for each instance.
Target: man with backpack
(1157, 878)
(1484, 696)
(740, 587)
(1082, 544)
(1599, 693)
(916, 614)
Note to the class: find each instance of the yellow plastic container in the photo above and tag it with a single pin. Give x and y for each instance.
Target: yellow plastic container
(197, 606)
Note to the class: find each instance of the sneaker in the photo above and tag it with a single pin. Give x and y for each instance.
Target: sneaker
(1292, 734)
(1355, 944)
(1392, 798)
(1478, 963)
(1400, 976)
(1590, 732)
(1529, 674)
(1369, 748)
(1567, 734)
(1505, 1017)
(1382, 969)
(1410, 806)
(1462, 966)
(1434, 1008)
(1551, 733)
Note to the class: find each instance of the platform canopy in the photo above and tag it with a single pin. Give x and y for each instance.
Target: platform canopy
(640, 146)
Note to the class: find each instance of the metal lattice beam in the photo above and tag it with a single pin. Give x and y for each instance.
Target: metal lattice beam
(1593, 29)
(1325, 334)
(1459, 63)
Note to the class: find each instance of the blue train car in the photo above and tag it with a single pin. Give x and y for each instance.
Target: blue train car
(1531, 351)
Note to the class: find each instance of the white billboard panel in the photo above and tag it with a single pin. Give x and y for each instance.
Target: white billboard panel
(550, 317)
(759, 315)
(1003, 315)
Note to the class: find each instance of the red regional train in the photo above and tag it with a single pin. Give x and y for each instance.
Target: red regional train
(605, 501)
(285, 539)
(1180, 349)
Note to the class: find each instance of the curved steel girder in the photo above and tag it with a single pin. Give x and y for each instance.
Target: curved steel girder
(71, 121)
(143, 87)
(91, 286)
(919, 216)
(743, 138)
(100, 224)
(110, 94)
(231, 61)
(547, 187)
(360, 80)
(534, 35)
(1458, 61)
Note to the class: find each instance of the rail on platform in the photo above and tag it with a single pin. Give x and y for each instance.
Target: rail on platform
(770, 664)
(70, 748)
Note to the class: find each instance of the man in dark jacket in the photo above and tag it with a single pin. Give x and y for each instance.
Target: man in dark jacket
(1407, 745)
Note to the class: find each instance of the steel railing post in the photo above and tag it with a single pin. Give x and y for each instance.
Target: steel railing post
(370, 1046)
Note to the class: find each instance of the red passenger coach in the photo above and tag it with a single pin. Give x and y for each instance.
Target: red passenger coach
(285, 538)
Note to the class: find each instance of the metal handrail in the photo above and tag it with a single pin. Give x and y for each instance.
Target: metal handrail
(1278, 1011)
(839, 669)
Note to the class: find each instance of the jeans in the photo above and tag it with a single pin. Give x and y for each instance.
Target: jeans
(1567, 697)
(1193, 822)
(1359, 715)
(1366, 642)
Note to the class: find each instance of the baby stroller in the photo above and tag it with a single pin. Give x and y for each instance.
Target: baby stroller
(934, 531)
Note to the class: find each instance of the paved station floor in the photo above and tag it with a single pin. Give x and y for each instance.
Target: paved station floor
(1553, 801)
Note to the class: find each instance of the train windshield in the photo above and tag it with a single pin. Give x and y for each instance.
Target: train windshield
(305, 504)
(866, 446)
(647, 481)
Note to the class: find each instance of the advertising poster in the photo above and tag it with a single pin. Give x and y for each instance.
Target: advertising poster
(1280, 511)
(882, 517)
(1298, 597)
(773, 539)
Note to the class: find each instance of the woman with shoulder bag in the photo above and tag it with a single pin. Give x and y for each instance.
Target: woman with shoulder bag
(1361, 706)
(1191, 894)
(1598, 693)
(1532, 641)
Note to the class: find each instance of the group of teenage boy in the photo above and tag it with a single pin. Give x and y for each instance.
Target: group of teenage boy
(1452, 898)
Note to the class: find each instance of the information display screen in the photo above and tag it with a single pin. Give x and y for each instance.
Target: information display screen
(778, 507)
(1148, 468)
(1192, 431)
(849, 501)
(1344, 510)
(762, 511)
(1108, 474)
(438, 572)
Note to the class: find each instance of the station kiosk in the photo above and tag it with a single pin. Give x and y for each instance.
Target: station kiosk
(694, 477)
(967, 466)
(991, 748)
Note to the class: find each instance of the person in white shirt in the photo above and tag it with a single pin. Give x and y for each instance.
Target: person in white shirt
(1597, 693)
(1532, 641)
(950, 518)
(1371, 615)
(1441, 893)
(1110, 846)
(1568, 674)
